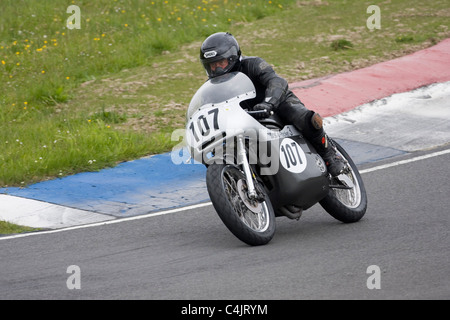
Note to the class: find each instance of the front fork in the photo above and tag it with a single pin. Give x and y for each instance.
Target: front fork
(242, 160)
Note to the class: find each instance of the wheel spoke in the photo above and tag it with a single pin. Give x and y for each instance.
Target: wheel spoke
(349, 197)
(257, 221)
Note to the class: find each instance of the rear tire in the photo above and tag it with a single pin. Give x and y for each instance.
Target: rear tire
(347, 205)
(251, 222)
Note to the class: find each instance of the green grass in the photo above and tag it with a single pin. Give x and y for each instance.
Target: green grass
(48, 130)
(114, 90)
(341, 44)
(10, 228)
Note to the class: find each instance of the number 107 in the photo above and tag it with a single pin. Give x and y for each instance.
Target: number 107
(290, 156)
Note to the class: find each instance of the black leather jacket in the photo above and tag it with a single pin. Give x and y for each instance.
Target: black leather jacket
(269, 86)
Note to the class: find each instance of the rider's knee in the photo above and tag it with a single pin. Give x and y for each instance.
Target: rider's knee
(316, 121)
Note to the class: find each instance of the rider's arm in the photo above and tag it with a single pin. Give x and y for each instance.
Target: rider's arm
(276, 87)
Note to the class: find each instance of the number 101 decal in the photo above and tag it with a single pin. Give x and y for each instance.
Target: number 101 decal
(292, 157)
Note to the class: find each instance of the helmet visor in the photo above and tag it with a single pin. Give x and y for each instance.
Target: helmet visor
(217, 64)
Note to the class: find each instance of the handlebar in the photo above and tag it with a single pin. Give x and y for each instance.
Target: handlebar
(259, 114)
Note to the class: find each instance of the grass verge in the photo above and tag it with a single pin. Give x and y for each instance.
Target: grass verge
(76, 100)
(60, 111)
(10, 228)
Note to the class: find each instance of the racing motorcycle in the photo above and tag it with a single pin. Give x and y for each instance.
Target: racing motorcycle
(258, 170)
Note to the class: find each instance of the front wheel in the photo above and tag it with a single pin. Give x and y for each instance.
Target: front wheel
(251, 221)
(346, 204)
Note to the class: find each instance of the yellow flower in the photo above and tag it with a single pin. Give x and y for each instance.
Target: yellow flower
(126, 25)
(3, 62)
(25, 103)
(67, 78)
(43, 71)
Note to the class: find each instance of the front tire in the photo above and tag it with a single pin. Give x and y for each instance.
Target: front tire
(250, 221)
(347, 205)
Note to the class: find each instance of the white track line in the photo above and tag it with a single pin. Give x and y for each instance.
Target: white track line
(397, 163)
(22, 235)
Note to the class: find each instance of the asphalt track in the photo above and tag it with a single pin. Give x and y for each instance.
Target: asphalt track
(401, 145)
(189, 254)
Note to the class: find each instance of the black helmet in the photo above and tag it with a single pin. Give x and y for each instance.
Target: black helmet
(219, 46)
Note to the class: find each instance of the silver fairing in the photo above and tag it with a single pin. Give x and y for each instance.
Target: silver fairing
(293, 172)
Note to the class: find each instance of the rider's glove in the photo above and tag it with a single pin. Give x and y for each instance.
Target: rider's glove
(263, 106)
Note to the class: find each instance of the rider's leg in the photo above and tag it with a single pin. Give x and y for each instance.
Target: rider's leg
(311, 125)
(320, 141)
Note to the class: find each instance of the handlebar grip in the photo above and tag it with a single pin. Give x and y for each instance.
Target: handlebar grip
(259, 113)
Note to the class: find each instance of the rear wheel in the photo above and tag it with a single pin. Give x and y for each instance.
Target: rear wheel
(348, 202)
(251, 221)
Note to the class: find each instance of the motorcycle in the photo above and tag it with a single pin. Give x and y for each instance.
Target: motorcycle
(258, 170)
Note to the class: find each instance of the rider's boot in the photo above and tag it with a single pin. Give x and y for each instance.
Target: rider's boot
(335, 164)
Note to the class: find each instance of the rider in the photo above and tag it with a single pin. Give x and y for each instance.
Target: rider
(220, 53)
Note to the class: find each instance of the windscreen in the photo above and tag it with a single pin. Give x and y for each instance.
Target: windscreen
(220, 89)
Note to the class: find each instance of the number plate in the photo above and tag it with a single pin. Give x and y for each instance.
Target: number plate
(203, 126)
(292, 156)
